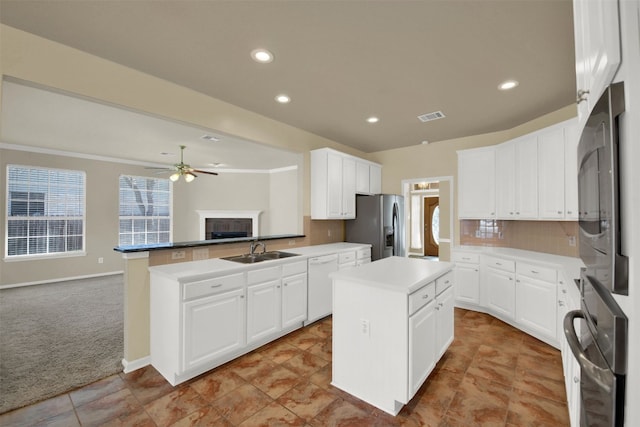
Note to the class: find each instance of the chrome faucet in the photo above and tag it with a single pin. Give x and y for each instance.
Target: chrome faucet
(254, 246)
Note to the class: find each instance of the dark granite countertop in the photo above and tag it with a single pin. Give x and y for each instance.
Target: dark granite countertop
(197, 243)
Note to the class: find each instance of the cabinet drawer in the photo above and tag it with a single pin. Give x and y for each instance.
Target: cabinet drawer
(536, 272)
(443, 282)
(345, 257)
(421, 297)
(363, 253)
(294, 268)
(263, 275)
(465, 257)
(212, 286)
(500, 264)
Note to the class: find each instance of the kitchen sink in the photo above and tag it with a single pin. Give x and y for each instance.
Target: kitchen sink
(253, 258)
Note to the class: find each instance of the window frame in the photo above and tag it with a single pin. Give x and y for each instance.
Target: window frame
(141, 217)
(8, 217)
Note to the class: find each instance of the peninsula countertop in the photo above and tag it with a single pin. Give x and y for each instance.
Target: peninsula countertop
(398, 274)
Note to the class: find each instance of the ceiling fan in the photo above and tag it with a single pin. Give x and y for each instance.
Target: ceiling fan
(183, 169)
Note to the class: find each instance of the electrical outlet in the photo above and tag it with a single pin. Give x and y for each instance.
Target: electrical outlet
(572, 240)
(100, 260)
(292, 242)
(178, 254)
(200, 254)
(365, 327)
(329, 232)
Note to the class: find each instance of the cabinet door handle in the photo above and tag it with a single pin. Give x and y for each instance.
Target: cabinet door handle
(475, 269)
(564, 291)
(286, 284)
(241, 296)
(569, 212)
(215, 286)
(518, 281)
(446, 281)
(561, 303)
(510, 278)
(576, 379)
(534, 272)
(425, 296)
(498, 263)
(278, 286)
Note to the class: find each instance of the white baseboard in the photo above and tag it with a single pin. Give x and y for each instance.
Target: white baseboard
(62, 279)
(130, 366)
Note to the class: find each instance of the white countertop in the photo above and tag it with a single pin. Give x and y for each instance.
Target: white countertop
(191, 271)
(570, 266)
(399, 274)
(330, 248)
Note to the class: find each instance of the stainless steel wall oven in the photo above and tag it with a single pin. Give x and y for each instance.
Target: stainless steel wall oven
(599, 340)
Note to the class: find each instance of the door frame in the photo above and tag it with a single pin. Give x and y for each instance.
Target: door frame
(407, 184)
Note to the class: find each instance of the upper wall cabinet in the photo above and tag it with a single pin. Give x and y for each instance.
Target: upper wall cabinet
(368, 177)
(516, 179)
(597, 47)
(558, 173)
(335, 179)
(477, 183)
(536, 177)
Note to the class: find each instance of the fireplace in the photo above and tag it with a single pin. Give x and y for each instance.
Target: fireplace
(228, 224)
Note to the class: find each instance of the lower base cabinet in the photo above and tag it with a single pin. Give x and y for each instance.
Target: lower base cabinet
(444, 321)
(213, 326)
(536, 307)
(422, 352)
(501, 293)
(197, 326)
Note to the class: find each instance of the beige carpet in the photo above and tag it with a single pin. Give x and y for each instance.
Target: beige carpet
(57, 337)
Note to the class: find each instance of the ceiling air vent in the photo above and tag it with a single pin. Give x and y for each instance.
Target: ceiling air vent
(210, 138)
(431, 116)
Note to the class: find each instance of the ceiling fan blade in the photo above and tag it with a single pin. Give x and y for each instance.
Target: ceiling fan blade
(158, 168)
(207, 172)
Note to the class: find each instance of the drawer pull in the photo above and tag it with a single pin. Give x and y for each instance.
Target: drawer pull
(534, 272)
(215, 286)
(425, 296)
(466, 258)
(498, 263)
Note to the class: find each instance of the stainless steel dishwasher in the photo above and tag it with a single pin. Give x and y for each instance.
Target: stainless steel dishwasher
(320, 295)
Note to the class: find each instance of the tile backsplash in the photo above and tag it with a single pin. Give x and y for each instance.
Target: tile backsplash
(553, 237)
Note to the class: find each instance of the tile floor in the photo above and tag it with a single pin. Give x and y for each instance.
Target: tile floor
(492, 375)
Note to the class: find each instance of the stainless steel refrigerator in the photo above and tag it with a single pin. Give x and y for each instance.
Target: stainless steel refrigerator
(379, 222)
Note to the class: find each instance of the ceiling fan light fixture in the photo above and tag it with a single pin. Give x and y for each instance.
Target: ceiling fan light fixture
(174, 177)
(189, 177)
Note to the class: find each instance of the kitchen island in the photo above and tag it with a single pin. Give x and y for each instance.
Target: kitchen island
(392, 321)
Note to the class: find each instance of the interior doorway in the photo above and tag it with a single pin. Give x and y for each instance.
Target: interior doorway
(431, 214)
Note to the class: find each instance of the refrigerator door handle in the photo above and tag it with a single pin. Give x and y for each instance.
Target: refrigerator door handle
(394, 222)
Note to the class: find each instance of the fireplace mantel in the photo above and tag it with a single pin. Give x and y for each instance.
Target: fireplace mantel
(207, 214)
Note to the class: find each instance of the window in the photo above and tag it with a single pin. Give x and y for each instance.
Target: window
(145, 210)
(45, 211)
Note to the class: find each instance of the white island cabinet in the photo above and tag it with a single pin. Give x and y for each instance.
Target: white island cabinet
(388, 328)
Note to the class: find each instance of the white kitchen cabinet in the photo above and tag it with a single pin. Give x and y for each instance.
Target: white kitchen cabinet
(200, 323)
(294, 300)
(263, 310)
(363, 256)
(558, 172)
(500, 287)
(536, 300)
(444, 321)
(368, 177)
(213, 326)
(476, 183)
(571, 140)
(516, 179)
(467, 279)
(597, 50)
(333, 185)
(422, 351)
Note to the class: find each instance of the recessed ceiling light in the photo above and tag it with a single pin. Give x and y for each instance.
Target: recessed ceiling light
(262, 56)
(283, 99)
(166, 153)
(425, 142)
(373, 119)
(508, 84)
(215, 165)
